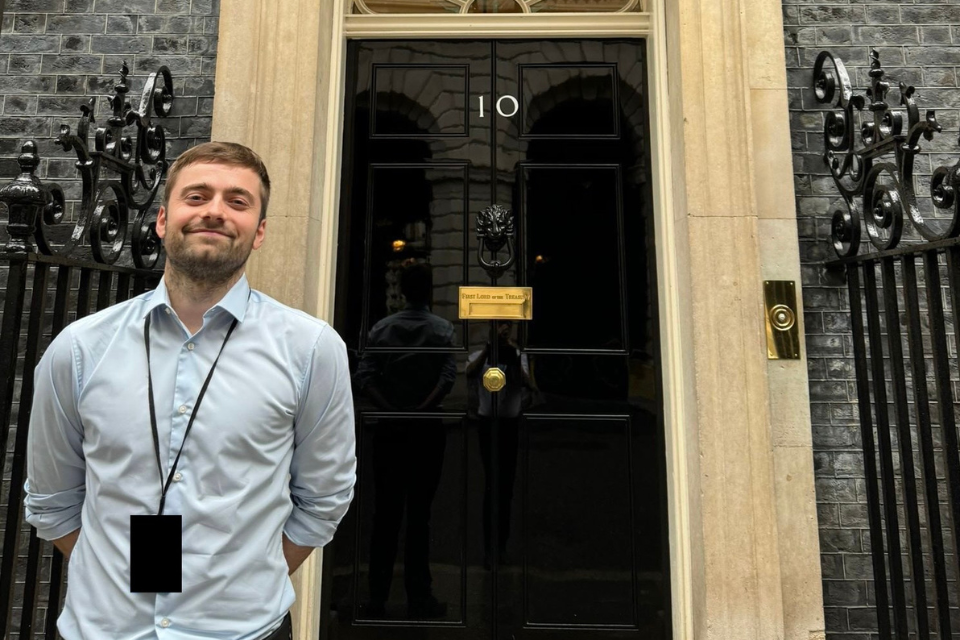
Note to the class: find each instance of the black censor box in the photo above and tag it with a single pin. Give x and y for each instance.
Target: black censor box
(156, 554)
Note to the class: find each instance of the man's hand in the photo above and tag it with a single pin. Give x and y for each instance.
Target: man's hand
(67, 542)
(294, 554)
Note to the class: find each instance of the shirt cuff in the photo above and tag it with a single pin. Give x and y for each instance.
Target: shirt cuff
(305, 530)
(54, 516)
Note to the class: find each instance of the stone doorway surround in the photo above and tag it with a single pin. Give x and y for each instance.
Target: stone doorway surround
(744, 553)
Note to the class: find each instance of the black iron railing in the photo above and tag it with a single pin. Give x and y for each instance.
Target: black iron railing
(73, 270)
(904, 303)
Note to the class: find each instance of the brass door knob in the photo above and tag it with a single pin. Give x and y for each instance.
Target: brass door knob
(494, 380)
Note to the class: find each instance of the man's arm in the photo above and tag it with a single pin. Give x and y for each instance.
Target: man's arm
(56, 468)
(69, 541)
(294, 554)
(324, 465)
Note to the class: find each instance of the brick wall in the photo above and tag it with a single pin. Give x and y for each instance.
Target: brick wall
(917, 46)
(56, 54)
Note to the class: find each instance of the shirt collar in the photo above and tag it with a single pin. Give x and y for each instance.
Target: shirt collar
(234, 302)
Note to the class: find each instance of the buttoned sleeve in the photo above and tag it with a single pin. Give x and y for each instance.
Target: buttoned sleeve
(324, 465)
(56, 468)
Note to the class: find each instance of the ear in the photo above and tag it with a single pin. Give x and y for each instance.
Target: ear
(161, 222)
(261, 232)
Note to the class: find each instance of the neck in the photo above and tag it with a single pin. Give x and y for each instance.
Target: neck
(191, 298)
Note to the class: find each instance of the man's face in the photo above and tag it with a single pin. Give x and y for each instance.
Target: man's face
(212, 221)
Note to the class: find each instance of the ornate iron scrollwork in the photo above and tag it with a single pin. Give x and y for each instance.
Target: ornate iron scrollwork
(495, 232)
(103, 219)
(885, 185)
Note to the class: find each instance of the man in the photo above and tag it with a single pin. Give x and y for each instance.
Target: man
(202, 400)
(407, 452)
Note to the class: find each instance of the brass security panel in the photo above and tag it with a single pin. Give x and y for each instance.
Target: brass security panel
(496, 303)
(783, 330)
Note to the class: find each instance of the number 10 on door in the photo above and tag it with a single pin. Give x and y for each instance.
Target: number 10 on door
(513, 106)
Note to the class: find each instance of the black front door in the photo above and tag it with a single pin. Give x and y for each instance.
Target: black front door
(537, 511)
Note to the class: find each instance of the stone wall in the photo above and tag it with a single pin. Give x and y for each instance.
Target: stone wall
(917, 45)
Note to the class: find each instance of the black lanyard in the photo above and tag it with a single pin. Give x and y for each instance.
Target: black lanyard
(193, 414)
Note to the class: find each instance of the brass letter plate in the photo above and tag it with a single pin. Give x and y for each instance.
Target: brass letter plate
(783, 330)
(496, 303)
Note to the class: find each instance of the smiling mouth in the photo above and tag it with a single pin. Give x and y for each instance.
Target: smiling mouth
(208, 233)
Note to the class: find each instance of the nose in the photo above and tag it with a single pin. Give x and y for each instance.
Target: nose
(215, 209)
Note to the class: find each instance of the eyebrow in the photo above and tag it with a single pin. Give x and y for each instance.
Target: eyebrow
(203, 186)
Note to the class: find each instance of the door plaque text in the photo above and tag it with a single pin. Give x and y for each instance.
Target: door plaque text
(496, 303)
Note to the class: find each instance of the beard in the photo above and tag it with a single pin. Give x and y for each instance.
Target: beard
(212, 263)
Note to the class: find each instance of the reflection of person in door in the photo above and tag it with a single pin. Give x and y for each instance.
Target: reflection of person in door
(509, 406)
(407, 451)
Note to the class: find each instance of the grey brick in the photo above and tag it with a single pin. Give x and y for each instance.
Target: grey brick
(69, 84)
(20, 106)
(29, 44)
(120, 44)
(199, 45)
(205, 107)
(29, 22)
(211, 26)
(831, 566)
(121, 24)
(198, 86)
(845, 592)
(60, 105)
(834, 35)
(170, 44)
(29, 85)
(857, 566)
(6, 24)
(205, 7)
(33, 6)
(936, 35)
(173, 6)
(187, 65)
(125, 6)
(75, 44)
(23, 65)
(836, 490)
(930, 15)
(24, 127)
(72, 64)
(882, 15)
(934, 56)
(830, 14)
(835, 619)
(840, 540)
(862, 618)
(889, 34)
(163, 24)
(76, 24)
(78, 6)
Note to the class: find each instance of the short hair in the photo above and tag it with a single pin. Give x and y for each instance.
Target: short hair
(416, 283)
(228, 153)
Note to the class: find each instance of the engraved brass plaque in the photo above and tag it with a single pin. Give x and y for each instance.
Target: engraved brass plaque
(494, 380)
(783, 332)
(496, 303)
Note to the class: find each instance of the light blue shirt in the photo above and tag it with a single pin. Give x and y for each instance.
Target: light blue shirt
(271, 450)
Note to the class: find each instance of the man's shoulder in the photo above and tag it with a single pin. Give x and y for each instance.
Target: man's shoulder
(294, 322)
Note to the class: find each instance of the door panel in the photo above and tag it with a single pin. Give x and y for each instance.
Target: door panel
(539, 511)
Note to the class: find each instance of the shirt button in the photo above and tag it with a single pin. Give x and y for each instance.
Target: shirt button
(167, 309)
(165, 623)
(190, 346)
(183, 408)
(177, 477)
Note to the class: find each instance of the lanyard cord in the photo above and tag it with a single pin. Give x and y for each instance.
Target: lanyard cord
(164, 486)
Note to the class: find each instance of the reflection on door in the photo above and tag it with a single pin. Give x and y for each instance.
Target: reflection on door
(537, 511)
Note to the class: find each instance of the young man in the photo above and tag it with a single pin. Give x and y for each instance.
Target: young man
(202, 403)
